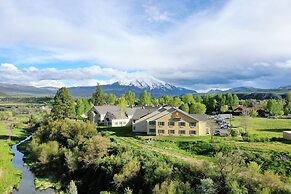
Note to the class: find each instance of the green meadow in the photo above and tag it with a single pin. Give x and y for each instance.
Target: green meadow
(9, 176)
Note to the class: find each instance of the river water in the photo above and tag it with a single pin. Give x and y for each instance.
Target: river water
(26, 185)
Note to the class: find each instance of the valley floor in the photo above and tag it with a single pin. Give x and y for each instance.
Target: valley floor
(9, 176)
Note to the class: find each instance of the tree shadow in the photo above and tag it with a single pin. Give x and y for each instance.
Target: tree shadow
(125, 131)
(280, 139)
(275, 130)
(13, 138)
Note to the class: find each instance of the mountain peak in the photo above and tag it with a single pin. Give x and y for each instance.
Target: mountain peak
(149, 83)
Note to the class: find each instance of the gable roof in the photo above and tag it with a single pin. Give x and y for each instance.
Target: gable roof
(143, 111)
(105, 108)
(169, 110)
(116, 115)
(114, 112)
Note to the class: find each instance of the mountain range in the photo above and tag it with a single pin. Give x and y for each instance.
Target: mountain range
(154, 86)
(253, 90)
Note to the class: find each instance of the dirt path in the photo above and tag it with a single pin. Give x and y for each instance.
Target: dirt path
(191, 160)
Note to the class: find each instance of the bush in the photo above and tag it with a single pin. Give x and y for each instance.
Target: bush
(234, 132)
(255, 138)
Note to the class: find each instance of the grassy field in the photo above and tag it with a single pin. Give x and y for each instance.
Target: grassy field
(261, 127)
(265, 127)
(9, 176)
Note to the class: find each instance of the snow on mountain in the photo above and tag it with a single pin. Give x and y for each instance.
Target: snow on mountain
(150, 83)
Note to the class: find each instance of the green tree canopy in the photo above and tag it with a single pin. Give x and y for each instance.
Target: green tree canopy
(145, 99)
(130, 98)
(275, 108)
(188, 98)
(185, 107)
(63, 105)
(111, 99)
(197, 108)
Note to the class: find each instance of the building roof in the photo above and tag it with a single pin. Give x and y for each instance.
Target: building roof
(114, 112)
(105, 108)
(169, 110)
(143, 111)
(200, 117)
(116, 115)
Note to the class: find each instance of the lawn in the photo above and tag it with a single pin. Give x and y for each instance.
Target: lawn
(262, 127)
(265, 127)
(9, 176)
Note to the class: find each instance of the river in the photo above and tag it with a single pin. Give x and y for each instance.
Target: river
(26, 185)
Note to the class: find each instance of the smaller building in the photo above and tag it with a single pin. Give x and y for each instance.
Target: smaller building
(287, 135)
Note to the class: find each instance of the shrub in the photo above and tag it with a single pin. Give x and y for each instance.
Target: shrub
(234, 132)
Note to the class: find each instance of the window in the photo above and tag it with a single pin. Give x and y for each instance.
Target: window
(171, 124)
(181, 132)
(133, 121)
(116, 123)
(161, 131)
(192, 124)
(120, 122)
(161, 123)
(152, 130)
(124, 122)
(152, 122)
(182, 124)
(192, 132)
(171, 131)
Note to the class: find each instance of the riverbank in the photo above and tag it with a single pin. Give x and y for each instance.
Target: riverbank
(43, 181)
(9, 175)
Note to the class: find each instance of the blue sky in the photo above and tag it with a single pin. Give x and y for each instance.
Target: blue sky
(198, 44)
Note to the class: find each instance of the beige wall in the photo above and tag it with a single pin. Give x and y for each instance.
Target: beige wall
(287, 135)
(200, 127)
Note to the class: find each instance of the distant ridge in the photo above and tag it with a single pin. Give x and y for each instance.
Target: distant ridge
(155, 87)
(20, 90)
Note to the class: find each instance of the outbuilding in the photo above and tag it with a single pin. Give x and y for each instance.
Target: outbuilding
(287, 135)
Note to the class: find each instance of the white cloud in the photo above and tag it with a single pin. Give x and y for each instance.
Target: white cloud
(53, 77)
(154, 14)
(47, 83)
(212, 48)
(8, 67)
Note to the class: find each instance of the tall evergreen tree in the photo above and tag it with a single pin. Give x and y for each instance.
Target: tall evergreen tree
(98, 97)
(80, 108)
(63, 105)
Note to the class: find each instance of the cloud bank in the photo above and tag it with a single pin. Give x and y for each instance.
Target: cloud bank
(238, 42)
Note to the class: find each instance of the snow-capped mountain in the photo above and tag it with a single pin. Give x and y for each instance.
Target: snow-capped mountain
(154, 86)
(149, 83)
